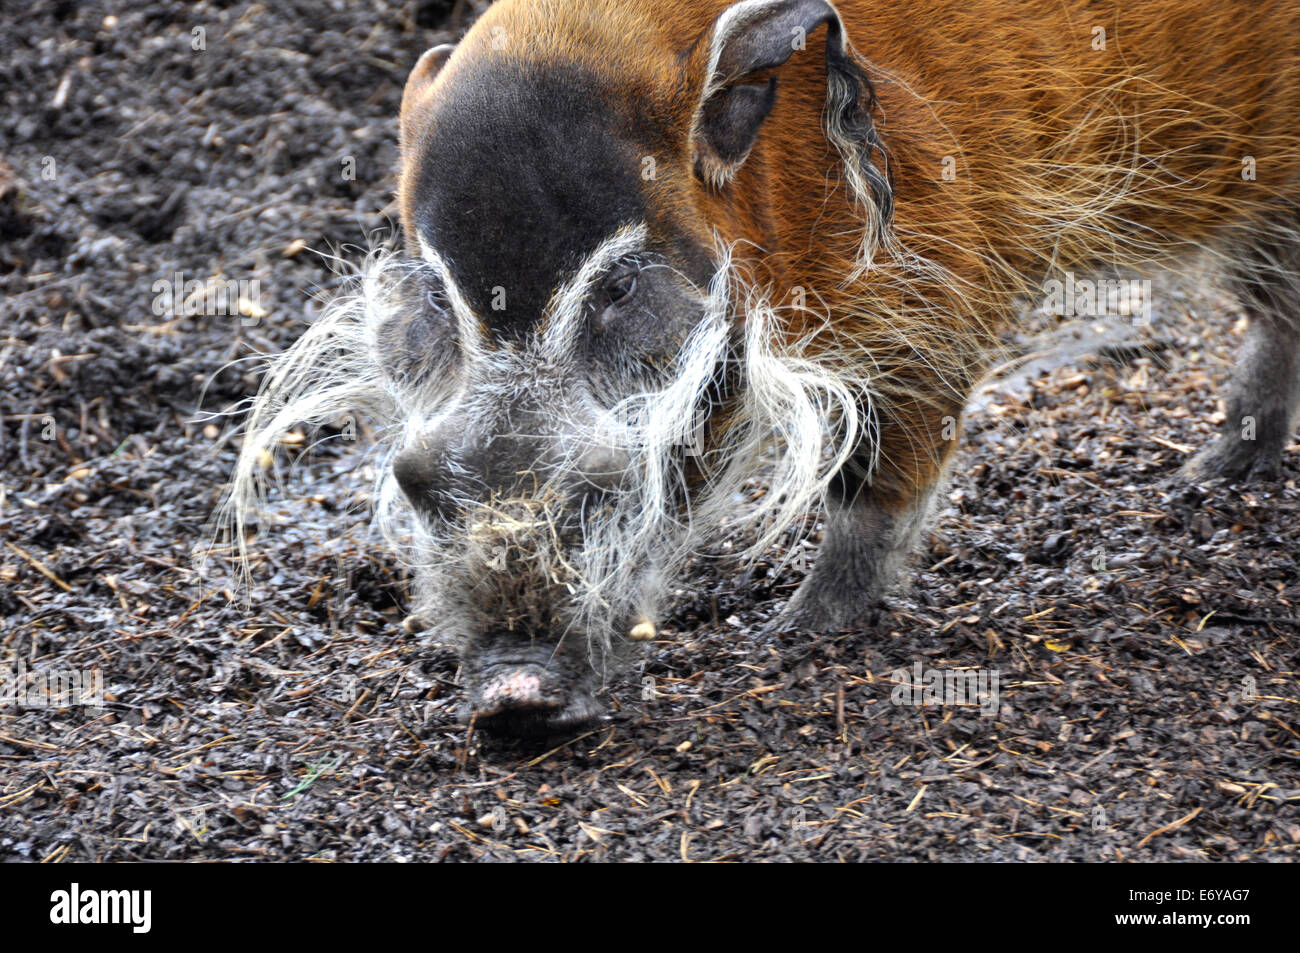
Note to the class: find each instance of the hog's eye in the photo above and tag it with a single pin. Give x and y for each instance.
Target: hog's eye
(428, 283)
(620, 287)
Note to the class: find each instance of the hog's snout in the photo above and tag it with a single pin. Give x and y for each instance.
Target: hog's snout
(528, 690)
(420, 473)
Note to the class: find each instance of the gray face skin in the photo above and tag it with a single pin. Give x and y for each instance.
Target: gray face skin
(515, 484)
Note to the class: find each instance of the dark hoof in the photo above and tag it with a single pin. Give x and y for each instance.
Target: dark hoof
(1234, 461)
(816, 616)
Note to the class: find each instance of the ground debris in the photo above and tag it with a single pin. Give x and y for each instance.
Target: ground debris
(1144, 630)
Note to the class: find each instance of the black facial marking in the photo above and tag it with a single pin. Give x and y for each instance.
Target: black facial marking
(523, 173)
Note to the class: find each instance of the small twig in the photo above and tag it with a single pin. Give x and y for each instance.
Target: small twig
(39, 566)
(1169, 827)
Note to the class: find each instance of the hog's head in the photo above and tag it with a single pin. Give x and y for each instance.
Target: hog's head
(577, 386)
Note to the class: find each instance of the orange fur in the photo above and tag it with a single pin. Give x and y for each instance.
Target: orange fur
(1065, 157)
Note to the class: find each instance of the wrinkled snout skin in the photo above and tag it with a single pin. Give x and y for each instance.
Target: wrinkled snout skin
(529, 689)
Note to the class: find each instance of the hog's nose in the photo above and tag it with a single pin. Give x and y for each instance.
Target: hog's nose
(527, 693)
(454, 463)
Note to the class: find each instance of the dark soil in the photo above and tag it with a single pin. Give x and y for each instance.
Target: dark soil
(1145, 630)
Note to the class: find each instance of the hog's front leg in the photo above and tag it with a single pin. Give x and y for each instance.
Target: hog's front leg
(1263, 402)
(873, 520)
(864, 546)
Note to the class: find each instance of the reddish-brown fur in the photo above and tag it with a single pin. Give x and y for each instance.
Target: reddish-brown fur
(1065, 156)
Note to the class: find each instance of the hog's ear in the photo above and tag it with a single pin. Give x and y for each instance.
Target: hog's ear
(421, 79)
(746, 40)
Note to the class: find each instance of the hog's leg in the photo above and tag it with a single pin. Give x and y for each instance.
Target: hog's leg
(866, 542)
(873, 520)
(1264, 395)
